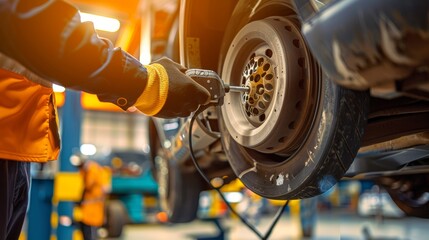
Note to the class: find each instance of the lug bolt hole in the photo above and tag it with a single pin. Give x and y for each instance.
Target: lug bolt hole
(260, 89)
(269, 53)
(298, 105)
(296, 43)
(252, 57)
(267, 97)
(266, 66)
(301, 62)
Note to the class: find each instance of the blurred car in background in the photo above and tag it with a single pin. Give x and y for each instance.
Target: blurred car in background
(132, 185)
(337, 89)
(377, 202)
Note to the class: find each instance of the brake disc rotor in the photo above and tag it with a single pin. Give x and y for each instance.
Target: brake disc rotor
(269, 57)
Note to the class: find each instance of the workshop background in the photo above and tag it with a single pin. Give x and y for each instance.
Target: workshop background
(353, 209)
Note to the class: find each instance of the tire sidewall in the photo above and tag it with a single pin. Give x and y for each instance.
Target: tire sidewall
(308, 160)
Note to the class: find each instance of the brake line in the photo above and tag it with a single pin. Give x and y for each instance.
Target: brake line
(204, 176)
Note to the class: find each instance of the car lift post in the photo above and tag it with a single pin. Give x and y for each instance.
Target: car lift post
(71, 121)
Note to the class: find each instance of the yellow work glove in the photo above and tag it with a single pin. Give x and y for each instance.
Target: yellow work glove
(169, 93)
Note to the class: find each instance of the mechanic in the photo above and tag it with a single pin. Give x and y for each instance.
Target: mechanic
(97, 185)
(44, 42)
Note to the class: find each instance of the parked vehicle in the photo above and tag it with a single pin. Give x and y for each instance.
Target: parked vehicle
(297, 132)
(132, 182)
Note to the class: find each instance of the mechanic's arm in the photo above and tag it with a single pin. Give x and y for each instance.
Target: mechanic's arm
(48, 38)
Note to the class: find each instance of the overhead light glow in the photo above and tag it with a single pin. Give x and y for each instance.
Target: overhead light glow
(101, 23)
(233, 197)
(88, 149)
(58, 88)
(171, 126)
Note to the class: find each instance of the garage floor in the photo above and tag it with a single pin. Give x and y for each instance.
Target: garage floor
(332, 225)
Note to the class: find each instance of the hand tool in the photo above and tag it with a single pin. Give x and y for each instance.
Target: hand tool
(211, 81)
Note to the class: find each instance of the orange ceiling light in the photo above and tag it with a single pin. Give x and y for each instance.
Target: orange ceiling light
(100, 22)
(112, 8)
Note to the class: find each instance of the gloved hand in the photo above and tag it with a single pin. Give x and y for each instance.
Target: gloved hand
(169, 92)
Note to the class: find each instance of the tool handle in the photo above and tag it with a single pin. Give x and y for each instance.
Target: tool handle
(210, 81)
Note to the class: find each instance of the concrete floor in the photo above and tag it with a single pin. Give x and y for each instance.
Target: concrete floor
(330, 225)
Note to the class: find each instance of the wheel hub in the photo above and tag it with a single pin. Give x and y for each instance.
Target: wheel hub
(269, 56)
(258, 75)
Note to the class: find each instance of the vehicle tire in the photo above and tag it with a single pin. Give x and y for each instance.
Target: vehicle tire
(295, 133)
(179, 191)
(409, 192)
(116, 218)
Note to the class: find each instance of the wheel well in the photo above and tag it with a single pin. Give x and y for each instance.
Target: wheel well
(245, 13)
(201, 31)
